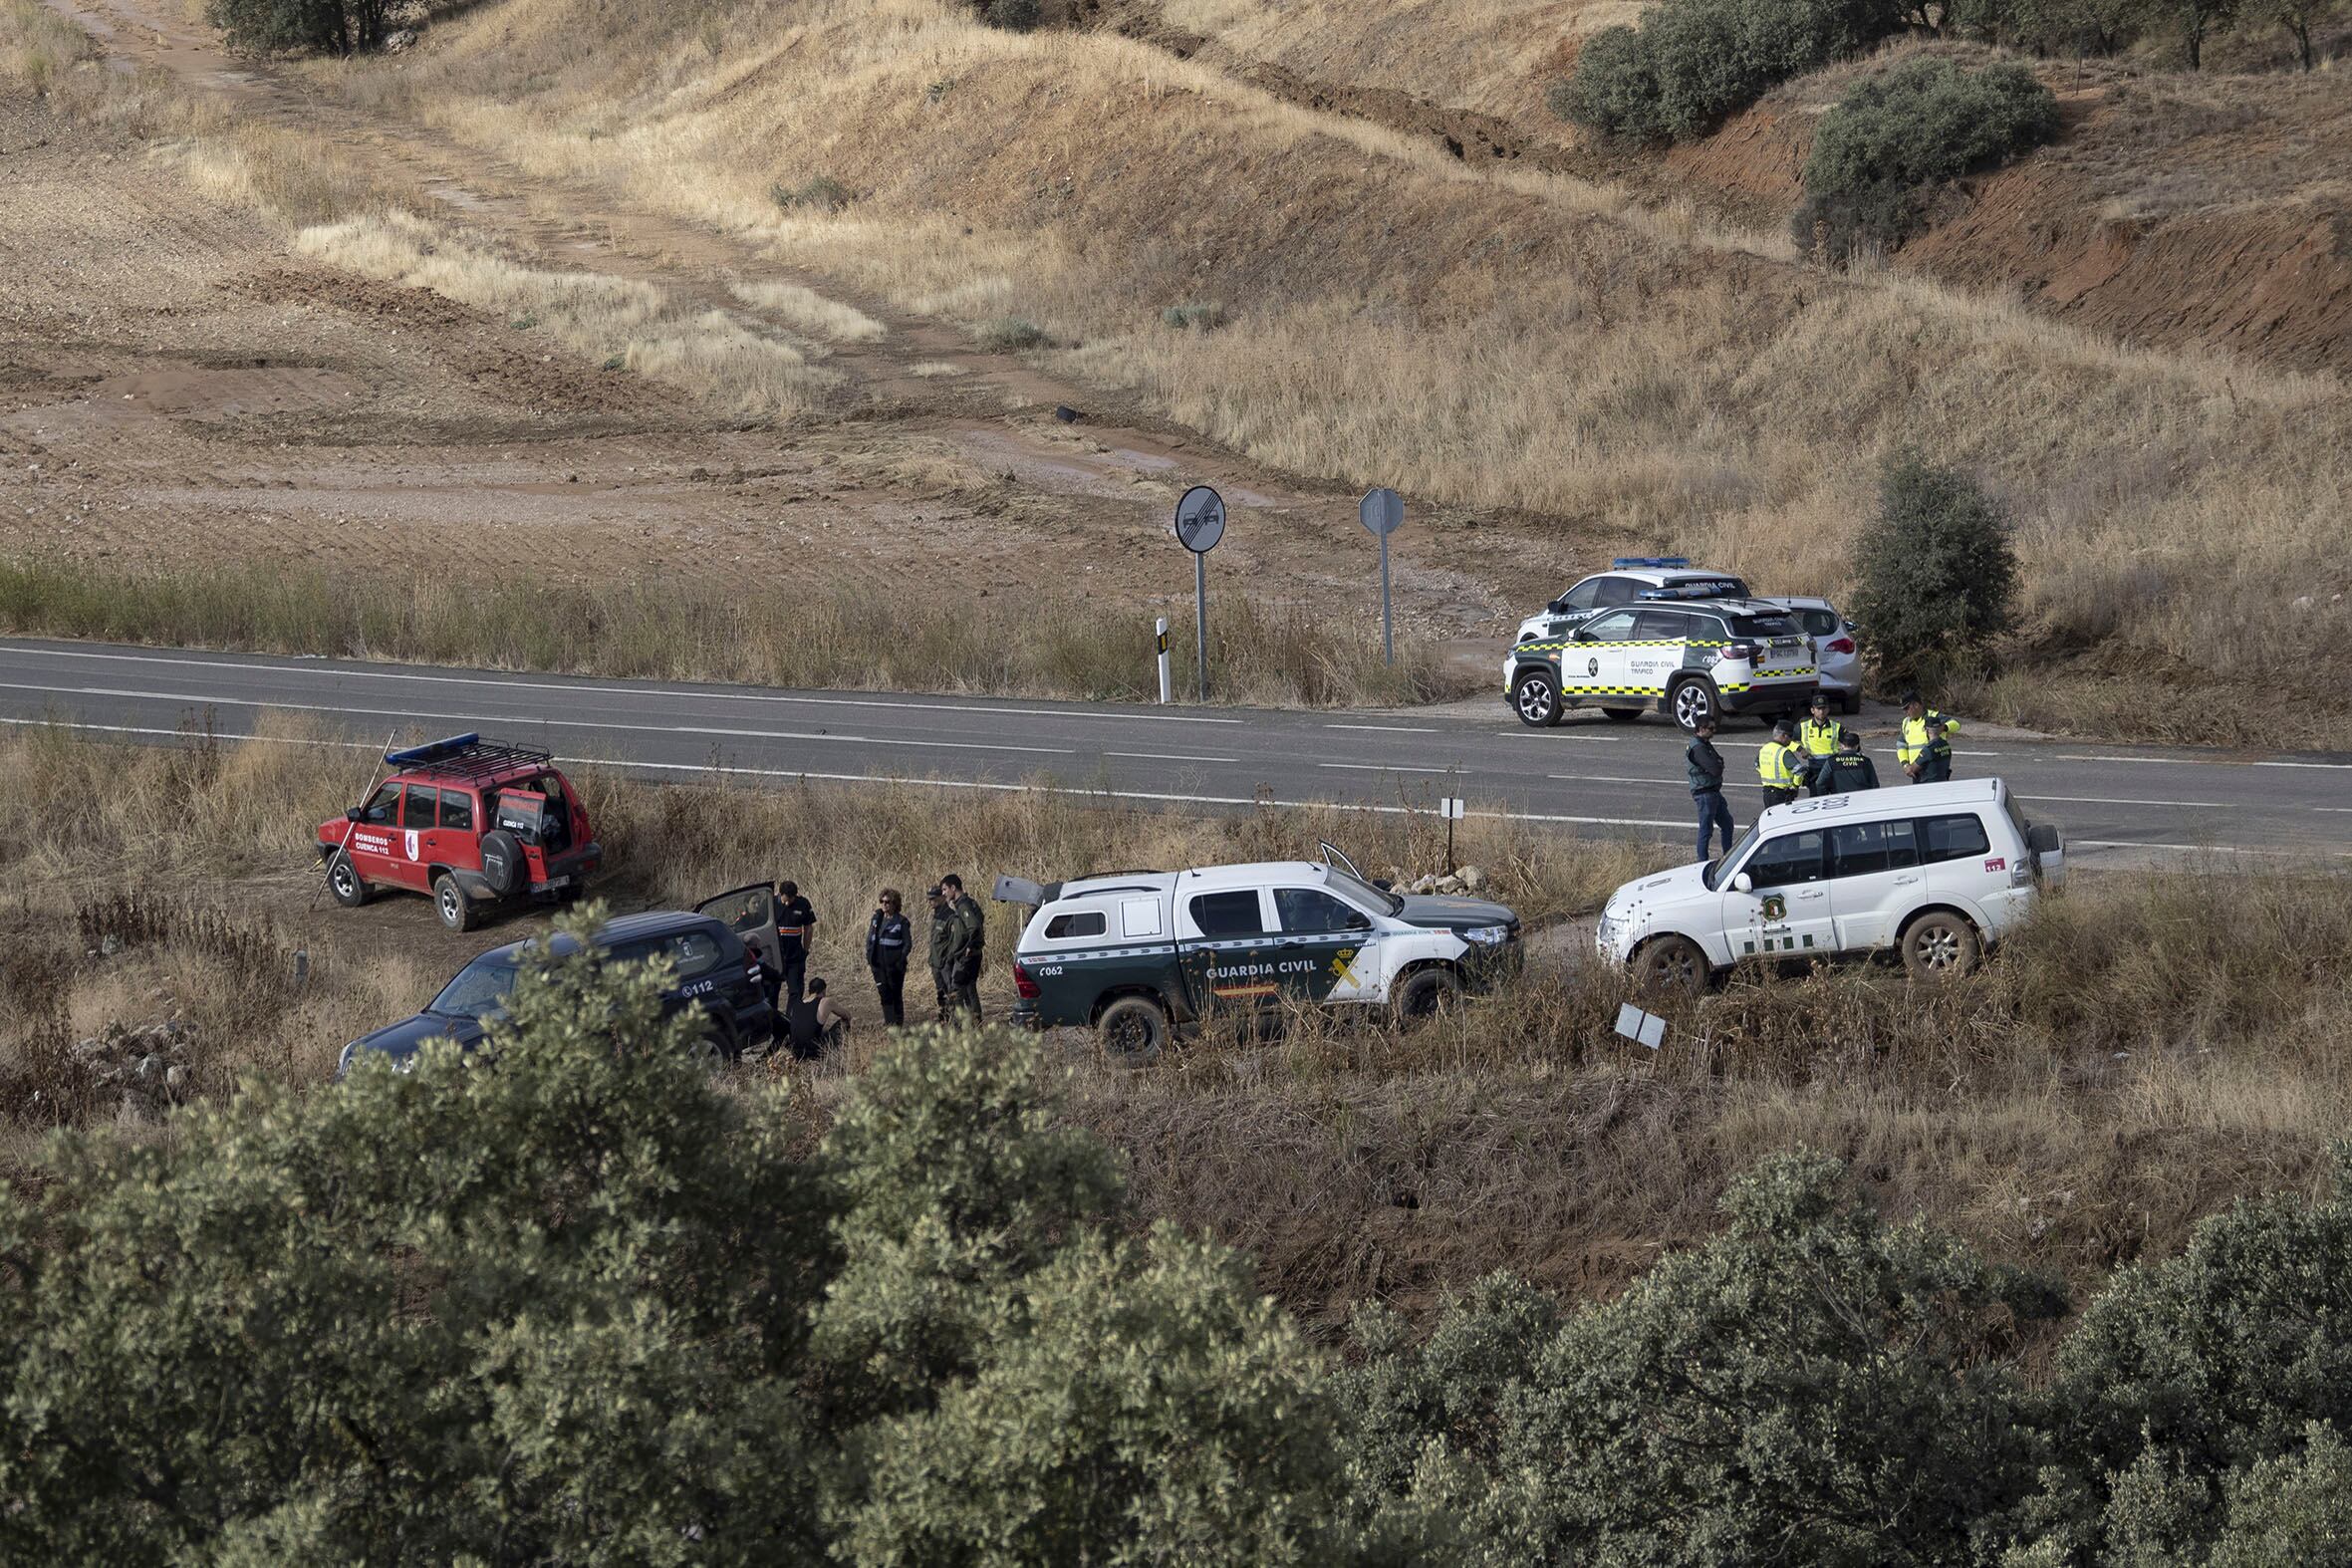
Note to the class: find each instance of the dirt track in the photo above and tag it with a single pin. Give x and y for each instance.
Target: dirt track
(177, 385)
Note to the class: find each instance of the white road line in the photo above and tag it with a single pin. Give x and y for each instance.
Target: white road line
(1168, 756)
(814, 737)
(2209, 849)
(593, 687)
(1385, 767)
(1607, 778)
(2334, 766)
(2071, 756)
(2110, 800)
(1390, 729)
(1537, 734)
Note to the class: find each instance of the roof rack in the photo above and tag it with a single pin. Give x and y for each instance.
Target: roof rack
(468, 757)
(1626, 563)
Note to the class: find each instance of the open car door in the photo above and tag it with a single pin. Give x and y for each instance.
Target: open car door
(751, 914)
(1338, 861)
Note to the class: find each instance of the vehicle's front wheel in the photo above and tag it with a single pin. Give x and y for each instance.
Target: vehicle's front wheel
(1940, 946)
(1690, 702)
(1536, 697)
(344, 881)
(1670, 964)
(713, 1049)
(1850, 702)
(457, 911)
(1135, 1031)
(1426, 994)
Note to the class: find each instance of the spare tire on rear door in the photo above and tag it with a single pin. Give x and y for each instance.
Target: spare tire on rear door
(502, 862)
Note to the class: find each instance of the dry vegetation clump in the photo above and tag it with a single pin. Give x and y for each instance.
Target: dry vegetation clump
(1537, 343)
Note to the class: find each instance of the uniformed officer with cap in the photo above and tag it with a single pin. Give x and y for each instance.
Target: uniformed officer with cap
(1846, 772)
(1780, 765)
(1817, 737)
(1925, 749)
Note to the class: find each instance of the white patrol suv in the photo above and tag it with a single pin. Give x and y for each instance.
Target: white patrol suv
(1629, 579)
(1136, 954)
(1936, 871)
(1693, 659)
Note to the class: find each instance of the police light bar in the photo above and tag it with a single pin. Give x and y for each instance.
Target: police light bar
(1626, 563)
(431, 750)
(1685, 591)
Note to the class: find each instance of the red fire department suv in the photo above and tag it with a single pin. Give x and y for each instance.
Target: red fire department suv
(475, 823)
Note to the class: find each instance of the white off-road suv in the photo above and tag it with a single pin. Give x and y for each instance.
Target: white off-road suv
(1936, 871)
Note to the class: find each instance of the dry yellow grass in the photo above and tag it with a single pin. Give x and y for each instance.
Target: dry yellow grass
(630, 324)
(808, 311)
(1499, 339)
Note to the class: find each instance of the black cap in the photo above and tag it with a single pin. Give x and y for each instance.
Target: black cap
(935, 890)
(1784, 727)
(1820, 700)
(1909, 698)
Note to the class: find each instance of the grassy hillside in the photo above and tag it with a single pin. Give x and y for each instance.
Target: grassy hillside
(1494, 335)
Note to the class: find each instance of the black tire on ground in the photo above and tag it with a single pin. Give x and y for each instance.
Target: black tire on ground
(1623, 715)
(1426, 994)
(457, 911)
(1135, 1030)
(1671, 964)
(1849, 703)
(1692, 701)
(344, 881)
(1535, 696)
(503, 866)
(1940, 946)
(713, 1048)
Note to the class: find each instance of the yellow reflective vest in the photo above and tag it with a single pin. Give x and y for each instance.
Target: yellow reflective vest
(1776, 765)
(1819, 740)
(1916, 732)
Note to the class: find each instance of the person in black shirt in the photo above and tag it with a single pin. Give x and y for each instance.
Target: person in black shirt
(796, 927)
(814, 1025)
(889, 938)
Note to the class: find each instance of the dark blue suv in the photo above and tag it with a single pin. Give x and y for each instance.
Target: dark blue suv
(711, 964)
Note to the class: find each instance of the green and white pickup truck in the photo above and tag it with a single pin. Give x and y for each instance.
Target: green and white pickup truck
(1135, 955)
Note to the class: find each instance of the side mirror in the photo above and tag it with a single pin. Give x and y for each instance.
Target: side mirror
(1744, 883)
(1558, 606)
(351, 813)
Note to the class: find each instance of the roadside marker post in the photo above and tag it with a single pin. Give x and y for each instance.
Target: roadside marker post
(1455, 808)
(1200, 524)
(1382, 512)
(1160, 629)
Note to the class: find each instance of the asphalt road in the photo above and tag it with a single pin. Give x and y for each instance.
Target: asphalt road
(2116, 805)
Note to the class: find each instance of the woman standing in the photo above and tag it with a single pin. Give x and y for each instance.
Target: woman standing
(889, 938)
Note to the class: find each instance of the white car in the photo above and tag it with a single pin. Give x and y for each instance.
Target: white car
(1937, 871)
(1629, 579)
(1837, 658)
(1690, 659)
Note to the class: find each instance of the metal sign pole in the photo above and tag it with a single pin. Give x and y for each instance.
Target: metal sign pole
(1200, 524)
(1382, 512)
(1201, 615)
(1388, 624)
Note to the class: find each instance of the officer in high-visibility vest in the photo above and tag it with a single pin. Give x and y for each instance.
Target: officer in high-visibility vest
(1780, 765)
(1922, 761)
(1817, 737)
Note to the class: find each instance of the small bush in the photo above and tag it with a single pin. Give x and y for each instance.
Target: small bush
(1014, 16)
(336, 27)
(1939, 574)
(824, 194)
(1202, 318)
(1011, 335)
(1692, 62)
(1891, 141)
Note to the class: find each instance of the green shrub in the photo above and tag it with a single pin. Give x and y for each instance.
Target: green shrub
(567, 1300)
(1881, 152)
(1693, 61)
(338, 27)
(1937, 573)
(1014, 16)
(1199, 318)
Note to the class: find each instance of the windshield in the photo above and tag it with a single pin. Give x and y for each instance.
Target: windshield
(480, 990)
(1715, 868)
(1364, 893)
(1764, 625)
